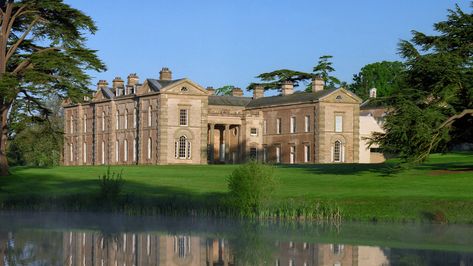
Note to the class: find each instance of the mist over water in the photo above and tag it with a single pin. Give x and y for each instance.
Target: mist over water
(110, 239)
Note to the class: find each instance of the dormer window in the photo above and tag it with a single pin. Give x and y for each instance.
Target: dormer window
(184, 89)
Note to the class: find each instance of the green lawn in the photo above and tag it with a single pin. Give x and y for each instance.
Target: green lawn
(363, 192)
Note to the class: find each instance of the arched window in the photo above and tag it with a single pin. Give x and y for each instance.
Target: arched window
(85, 152)
(103, 152)
(149, 115)
(126, 119)
(125, 153)
(149, 148)
(337, 151)
(183, 148)
(117, 148)
(103, 121)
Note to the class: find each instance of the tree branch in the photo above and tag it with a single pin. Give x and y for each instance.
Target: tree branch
(12, 49)
(26, 63)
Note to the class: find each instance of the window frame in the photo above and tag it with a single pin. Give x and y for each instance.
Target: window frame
(307, 123)
(185, 118)
(278, 126)
(338, 123)
(293, 125)
(255, 133)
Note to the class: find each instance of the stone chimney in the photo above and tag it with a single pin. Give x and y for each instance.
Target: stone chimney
(258, 92)
(373, 93)
(318, 84)
(118, 83)
(211, 90)
(132, 79)
(102, 84)
(165, 74)
(287, 88)
(237, 92)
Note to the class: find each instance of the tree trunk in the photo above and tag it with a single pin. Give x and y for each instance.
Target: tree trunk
(3, 141)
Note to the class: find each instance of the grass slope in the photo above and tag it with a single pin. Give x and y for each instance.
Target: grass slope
(444, 184)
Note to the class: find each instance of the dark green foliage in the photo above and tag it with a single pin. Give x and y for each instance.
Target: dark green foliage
(273, 80)
(251, 186)
(43, 54)
(385, 76)
(111, 186)
(433, 109)
(36, 140)
(323, 69)
(225, 90)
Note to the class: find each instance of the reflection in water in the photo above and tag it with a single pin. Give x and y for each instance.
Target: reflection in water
(241, 244)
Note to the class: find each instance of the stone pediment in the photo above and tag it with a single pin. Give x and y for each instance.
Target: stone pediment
(184, 86)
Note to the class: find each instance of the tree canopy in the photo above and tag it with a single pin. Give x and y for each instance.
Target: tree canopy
(274, 79)
(385, 76)
(42, 53)
(433, 109)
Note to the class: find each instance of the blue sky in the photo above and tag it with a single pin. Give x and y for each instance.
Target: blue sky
(220, 42)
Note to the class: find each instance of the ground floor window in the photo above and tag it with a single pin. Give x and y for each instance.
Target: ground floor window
(278, 154)
(306, 153)
(183, 148)
(265, 154)
(292, 155)
(337, 151)
(149, 148)
(85, 152)
(103, 152)
(71, 151)
(253, 153)
(117, 151)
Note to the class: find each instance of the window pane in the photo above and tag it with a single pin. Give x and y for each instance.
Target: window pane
(183, 117)
(338, 123)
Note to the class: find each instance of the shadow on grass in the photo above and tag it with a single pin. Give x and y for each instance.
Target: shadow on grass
(33, 191)
(383, 169)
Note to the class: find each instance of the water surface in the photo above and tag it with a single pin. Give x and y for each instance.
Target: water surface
(110, 239)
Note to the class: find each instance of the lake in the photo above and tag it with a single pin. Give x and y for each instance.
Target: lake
(111, 239)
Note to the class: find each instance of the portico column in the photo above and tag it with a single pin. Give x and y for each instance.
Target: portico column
(212, 139)
(227, 143)
(239, 148)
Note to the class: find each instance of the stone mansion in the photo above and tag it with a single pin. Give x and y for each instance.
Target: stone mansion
(176, 121)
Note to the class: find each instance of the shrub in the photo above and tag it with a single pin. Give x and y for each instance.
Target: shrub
(111, 185)
(251, 186)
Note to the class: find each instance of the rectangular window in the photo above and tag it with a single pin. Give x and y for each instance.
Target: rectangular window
(265, 154)
(117, 120)
(338, 123)
(307, 123)
(292, 155)
(293, 125)
(278, 126)
(306, 153)
(149, 116)
(103, 121)
(72, 125)
(85, 123)
(183, 117)
(85, 152)
(265, 127)
(253, 153)
(278, 154)
(254, 131)
(134, 118)
(117, 154)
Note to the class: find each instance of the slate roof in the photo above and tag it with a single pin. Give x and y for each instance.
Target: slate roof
(156, 85)
(107, 92)
(229, 100)
(296, 97)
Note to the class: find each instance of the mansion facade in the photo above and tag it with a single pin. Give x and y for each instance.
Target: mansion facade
(176, 121)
